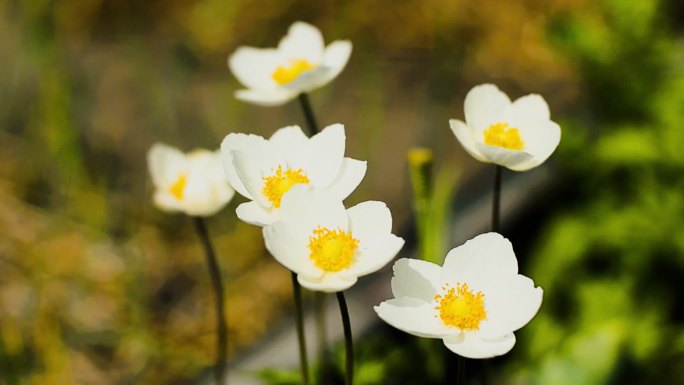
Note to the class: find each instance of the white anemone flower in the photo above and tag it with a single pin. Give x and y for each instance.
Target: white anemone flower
(329, 246)
(264, 170)
(192, 183)
(473, 303)
(518, 135)
(300, 63)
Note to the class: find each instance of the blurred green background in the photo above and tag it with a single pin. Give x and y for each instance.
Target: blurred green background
(97, 286)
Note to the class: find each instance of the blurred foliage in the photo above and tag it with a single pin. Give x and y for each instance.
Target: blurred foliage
(611, 257)
(432, 198)
(96, 286)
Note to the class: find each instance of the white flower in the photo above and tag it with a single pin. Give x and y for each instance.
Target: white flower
(327, 246)
(300, 63)
(518, 135)
(264, 170)
(192, 183)
(473, 303)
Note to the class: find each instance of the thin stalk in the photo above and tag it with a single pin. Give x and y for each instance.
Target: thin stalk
(220, 370)
(312, 126)
(496, 198)
(461, 363)
(299, 319)
(451, 367)
(348, 343)
(496, 224)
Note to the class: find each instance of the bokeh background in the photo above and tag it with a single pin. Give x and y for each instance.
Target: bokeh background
(97, 286)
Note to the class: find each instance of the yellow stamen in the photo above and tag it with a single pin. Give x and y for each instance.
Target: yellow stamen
(283, 75)
(500, 135)
(276, 185)
(332, 250)
(461, 307)
(178, 187)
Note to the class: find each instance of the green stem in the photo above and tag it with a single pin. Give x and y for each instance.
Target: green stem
(461, 363)
(496, 199)
(299, 319)
(220, 370)
(312, 126)
(348, 343)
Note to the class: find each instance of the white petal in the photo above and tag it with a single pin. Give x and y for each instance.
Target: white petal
(248, 167)
(416, 278)
(288, 245)
(269, 98)
(541, 140)
(504, 157)
(413, 316)
(483, 106)
(470, 346)
(328, 283)
(165, 163)
(531, 108)
(374, 253)
(464, 134)
(251, 144)
(350, 176)
(303, 41)
(254, 67)
(166, 202)
(326, 151)
(288, 138)
(254, 214)
(510, 304)
(478, 261)
(335, 59)
(292, 143)
(306, 207)
(369, 219)
(199, 197)
(307, 80)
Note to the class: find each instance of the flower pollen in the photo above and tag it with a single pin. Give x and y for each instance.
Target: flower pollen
(276, 185)
(332, 250)
(177, 189)
(283, 75)
(460, 307)
(500, 135)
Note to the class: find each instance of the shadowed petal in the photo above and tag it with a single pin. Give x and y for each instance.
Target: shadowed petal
(416, 278)
(464, 134)
(413, 316)
(470, 346)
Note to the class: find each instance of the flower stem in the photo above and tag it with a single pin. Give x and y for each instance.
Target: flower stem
(461, 363)
(299, 319)
(496, 198)
(220, 370)
(312, 126)
(348, 344)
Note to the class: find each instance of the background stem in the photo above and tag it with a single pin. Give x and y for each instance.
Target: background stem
(311, 123)
(496, 198)
(299, 319)
(217, 284)
(348, 343)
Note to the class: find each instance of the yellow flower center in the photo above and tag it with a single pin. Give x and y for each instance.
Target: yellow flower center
(276, 185)
(178, 187)
(332, 250)
(283, 75)
(500, 135)
(460, 307)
